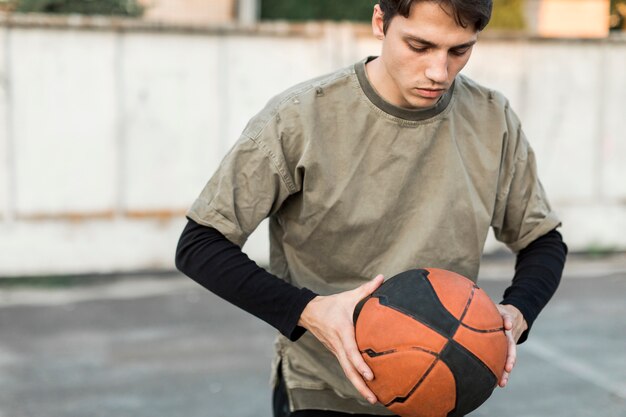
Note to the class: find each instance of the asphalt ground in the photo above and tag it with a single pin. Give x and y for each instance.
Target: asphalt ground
(157, 346)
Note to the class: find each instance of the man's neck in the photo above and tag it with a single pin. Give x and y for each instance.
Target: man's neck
(378, 78)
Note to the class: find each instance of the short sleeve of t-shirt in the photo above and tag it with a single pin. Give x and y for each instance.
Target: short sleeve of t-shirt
(522, 212)
(250, 184)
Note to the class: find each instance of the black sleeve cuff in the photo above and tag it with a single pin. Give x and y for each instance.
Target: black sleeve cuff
(290, 327)
(538, 271)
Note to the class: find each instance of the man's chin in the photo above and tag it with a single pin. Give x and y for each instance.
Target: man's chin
(418, 102)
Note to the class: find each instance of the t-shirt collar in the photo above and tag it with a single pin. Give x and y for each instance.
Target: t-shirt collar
(401, 112)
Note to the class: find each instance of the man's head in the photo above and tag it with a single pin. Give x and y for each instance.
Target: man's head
(474, 13)
(425, 44)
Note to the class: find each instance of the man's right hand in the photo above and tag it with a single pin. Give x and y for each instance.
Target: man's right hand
(329, 318)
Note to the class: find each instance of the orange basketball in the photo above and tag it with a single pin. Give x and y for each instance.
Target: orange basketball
(435, 342)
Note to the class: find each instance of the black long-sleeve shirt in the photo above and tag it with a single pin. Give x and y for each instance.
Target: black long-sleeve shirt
(209, 258)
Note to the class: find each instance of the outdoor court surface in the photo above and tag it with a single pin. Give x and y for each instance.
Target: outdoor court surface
(164, 347)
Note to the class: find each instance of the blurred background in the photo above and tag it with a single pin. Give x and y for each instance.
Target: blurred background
(115, 113)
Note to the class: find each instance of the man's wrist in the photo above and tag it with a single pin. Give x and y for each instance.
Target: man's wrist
(305, 316)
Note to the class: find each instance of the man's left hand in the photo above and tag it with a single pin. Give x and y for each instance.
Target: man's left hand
(514, 326)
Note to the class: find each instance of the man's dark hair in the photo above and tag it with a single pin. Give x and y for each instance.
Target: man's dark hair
(466, 12)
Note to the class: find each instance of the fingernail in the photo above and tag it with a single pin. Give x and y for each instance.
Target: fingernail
(368, 376)
(372, 400)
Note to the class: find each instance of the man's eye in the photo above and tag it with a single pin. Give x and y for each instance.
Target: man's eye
(417, 48)
(459, 52)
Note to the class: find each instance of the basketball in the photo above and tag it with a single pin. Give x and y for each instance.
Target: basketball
(434, 341)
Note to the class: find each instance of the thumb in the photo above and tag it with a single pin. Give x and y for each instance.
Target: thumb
(371, 286)
(507, 319)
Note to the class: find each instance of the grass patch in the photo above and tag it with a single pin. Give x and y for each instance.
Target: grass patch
(62, 281)
(51, 281)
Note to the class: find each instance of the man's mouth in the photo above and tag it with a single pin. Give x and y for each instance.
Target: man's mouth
(430, 92)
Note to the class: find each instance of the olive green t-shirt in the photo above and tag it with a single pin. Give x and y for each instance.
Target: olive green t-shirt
(356, 187)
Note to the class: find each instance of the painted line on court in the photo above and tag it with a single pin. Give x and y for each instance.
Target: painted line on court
(574, 366)
(574, 270)
(125, 289)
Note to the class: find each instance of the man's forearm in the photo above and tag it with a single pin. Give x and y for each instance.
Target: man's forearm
(210, 259)
(538, 272)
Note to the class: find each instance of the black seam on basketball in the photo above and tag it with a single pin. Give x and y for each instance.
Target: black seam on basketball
(373, 354)
(467, 305)
(499, 329)
(415, 387)
(421, 349)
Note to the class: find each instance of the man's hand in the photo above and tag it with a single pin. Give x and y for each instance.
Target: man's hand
(514, 326)
(329, 318)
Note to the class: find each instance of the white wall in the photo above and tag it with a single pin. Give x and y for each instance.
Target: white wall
(571, 97)
(109, 129)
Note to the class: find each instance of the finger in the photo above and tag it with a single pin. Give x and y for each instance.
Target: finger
(355, 378)
(504, 380)
(507, 321)
(354, 356)
(512, 353)
(371, 286)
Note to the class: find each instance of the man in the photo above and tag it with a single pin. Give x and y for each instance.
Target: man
(394, 163)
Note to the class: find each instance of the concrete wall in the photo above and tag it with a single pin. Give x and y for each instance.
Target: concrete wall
(110, 128)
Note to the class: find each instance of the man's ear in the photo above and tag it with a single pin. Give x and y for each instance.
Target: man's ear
(377, 23)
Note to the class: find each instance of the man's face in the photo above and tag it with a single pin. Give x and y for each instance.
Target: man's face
(421, 55)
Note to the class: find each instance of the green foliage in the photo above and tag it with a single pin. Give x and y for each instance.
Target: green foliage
(597, 250)
(507, 14)
(48, 281)
(618, 15)
(614, 4)
(299, 10)
(89, 7)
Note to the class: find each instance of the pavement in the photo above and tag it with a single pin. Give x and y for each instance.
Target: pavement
(162, 346)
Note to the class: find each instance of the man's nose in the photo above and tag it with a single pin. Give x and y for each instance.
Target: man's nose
(437, 69)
